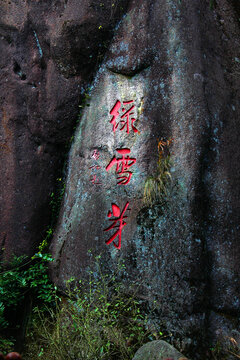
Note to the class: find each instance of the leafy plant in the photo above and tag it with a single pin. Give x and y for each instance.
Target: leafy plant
(25, 279)
(156, 186)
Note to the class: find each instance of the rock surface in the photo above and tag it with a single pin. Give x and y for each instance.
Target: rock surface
(49, 52)
(180, 64)
(158, 350)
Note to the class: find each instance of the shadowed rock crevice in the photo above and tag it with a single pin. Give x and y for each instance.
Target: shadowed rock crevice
(18, 71)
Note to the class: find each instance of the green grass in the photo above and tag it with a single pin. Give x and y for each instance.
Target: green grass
(96, 319)
(156, 186)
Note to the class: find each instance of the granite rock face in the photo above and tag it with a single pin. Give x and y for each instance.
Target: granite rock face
(43, 79)
(179, 63)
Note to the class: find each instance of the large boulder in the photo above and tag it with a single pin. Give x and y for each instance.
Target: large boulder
(158, 350)
(179, 65)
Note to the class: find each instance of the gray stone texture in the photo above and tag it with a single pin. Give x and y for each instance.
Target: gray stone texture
(180, 63)
(158, 350)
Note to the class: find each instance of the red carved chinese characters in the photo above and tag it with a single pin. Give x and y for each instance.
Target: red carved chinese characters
(126, 118)
(122, 166)
(95, 167)
(95, 154)
(118, 223)
(93, 178)
(122, 119)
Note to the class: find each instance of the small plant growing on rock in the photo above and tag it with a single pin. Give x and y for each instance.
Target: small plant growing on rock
(156, 186)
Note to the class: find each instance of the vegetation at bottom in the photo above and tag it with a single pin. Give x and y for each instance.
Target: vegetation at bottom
(230, 350)
(92, 319)
(95, 319)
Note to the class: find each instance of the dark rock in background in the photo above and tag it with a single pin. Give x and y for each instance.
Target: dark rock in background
(49, 52)
(180, 63)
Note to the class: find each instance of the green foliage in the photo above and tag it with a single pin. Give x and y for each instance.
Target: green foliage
(156, 186)
(11, 288)
(22, 279)
(25, 278)
(95, 320)
(6, 345)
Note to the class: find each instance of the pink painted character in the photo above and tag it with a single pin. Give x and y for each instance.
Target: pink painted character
(95, 167)
(95, 154)
(118, 223)
(122, 166)
(94, 180)
(126, 117)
